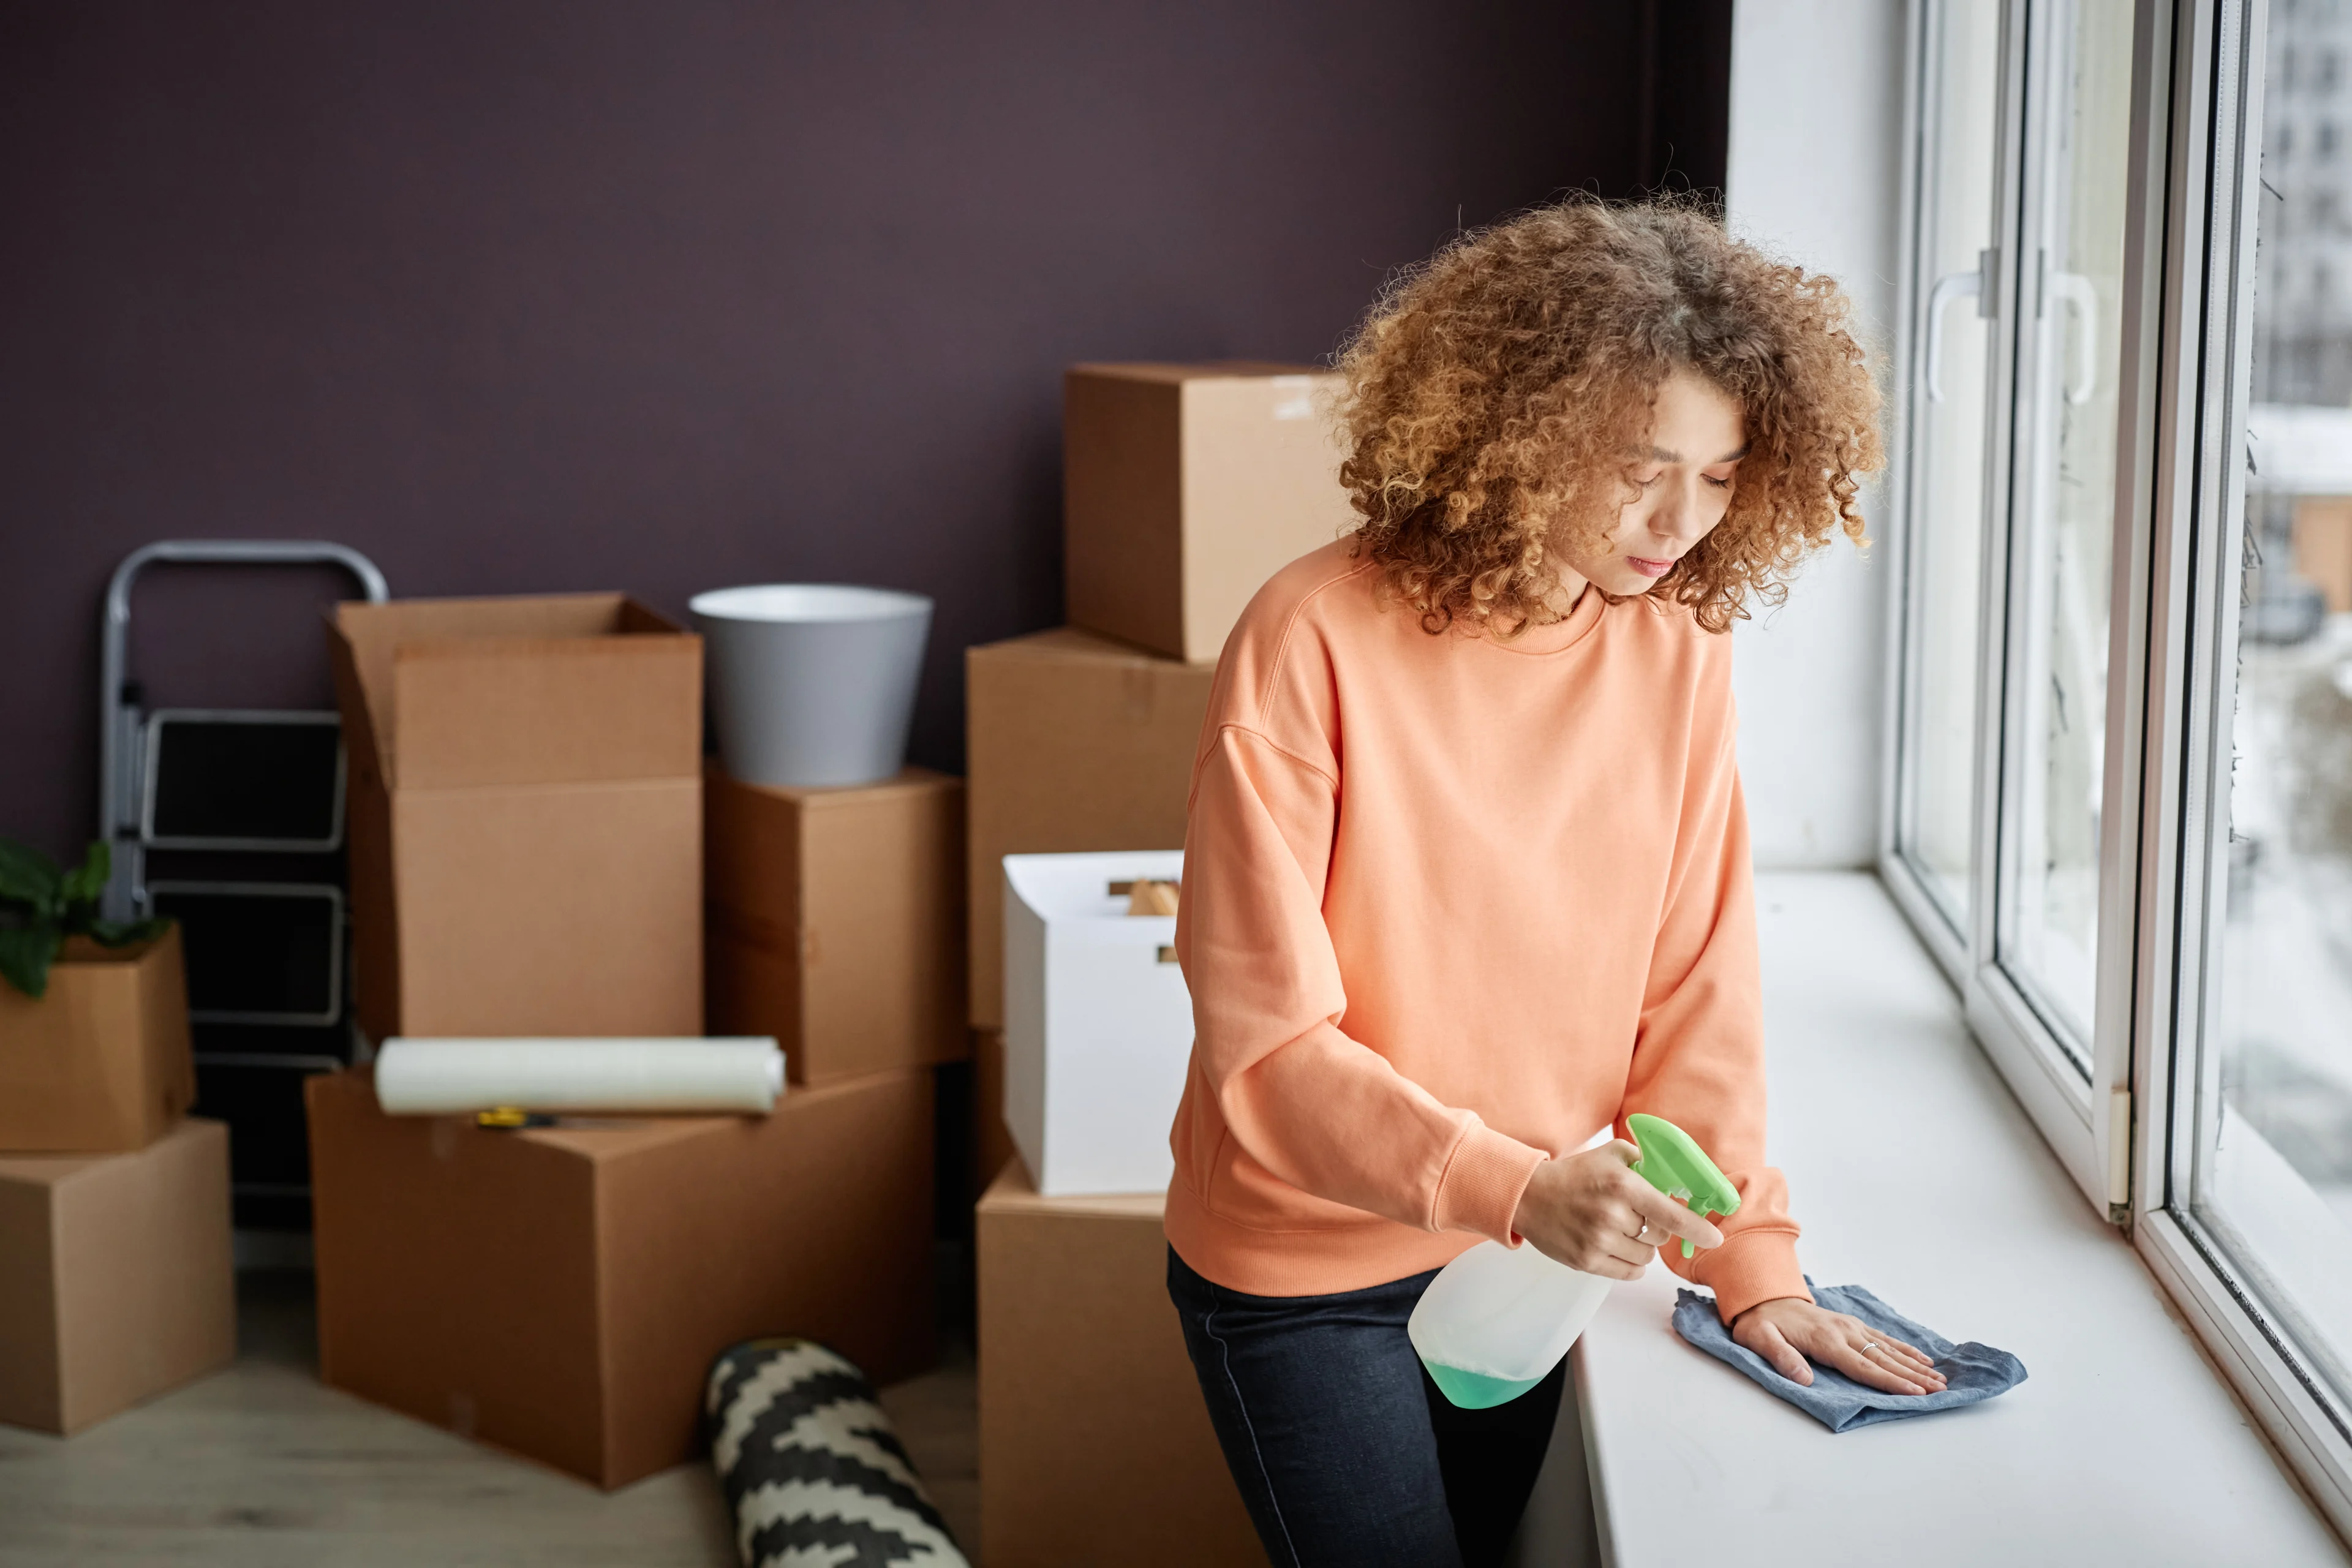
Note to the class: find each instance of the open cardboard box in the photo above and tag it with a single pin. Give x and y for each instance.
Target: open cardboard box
(99, 1064)
(525, 815)
(1097, 1022)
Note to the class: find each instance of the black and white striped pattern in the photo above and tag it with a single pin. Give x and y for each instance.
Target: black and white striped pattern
(811, 1467)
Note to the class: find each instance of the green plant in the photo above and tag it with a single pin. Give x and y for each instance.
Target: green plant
(49, 905)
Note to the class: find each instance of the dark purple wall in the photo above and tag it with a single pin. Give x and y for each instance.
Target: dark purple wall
(522, 297)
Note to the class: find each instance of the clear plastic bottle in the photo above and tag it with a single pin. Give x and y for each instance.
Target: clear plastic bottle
(1497, 1320)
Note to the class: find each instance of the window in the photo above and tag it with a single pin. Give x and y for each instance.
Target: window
(2122, 776)
(2260, 1174)
(1951, 412)
(2009, 471)
(2064, 515)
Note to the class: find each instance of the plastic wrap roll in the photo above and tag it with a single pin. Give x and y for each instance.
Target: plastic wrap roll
(449, 1076)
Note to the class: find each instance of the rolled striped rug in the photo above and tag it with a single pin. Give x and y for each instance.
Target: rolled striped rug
(811, 1466)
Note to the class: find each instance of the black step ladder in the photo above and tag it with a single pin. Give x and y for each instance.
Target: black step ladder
(244, 796)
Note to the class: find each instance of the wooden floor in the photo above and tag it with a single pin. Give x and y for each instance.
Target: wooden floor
(260, 1466)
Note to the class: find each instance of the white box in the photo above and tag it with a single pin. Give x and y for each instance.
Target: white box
(1097, 1023)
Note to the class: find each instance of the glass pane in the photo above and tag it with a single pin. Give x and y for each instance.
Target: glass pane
(2278, 1181)
(1948, 417)
(2067, 440)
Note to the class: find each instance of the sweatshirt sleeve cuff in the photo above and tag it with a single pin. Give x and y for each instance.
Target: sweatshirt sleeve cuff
(1751, 1266)
(1480, 1190)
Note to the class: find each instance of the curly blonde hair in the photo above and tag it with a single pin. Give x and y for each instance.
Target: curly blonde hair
(1496, 396)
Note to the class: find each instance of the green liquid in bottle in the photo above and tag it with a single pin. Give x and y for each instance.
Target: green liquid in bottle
(1475, 1390)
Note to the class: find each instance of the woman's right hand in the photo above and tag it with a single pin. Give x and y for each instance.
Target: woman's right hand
(1586, 1210)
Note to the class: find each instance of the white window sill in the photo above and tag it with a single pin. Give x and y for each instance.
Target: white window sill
(1916, 1177)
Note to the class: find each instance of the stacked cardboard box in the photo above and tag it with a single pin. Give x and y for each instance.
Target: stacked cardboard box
(561, 1291)
(100, 1063)
(1099, 1021)
(1095, 1445)
(835, 922)
(525, 815)
(115, 1277)
(529, 853)
(1186, 488)
(115, 1280)
(1074, 742)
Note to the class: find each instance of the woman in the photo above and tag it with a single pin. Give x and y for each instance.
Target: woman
(1466, 875)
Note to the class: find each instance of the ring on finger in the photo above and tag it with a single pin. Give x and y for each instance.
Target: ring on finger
(1868, 1346)
(1643, 1235)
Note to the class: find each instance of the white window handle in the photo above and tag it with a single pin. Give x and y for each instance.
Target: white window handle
(2079, 292)
(1951, 286)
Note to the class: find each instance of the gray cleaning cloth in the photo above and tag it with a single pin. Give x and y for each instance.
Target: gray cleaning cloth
(1971, 1372)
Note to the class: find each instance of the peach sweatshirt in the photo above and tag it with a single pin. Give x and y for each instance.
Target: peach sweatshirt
(1449, 907)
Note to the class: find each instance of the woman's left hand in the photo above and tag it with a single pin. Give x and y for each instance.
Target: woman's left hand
(1787, 1329)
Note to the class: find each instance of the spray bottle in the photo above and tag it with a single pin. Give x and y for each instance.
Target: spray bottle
(1497, 1320)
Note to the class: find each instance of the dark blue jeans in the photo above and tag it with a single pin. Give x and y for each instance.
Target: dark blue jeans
(1344, 1450)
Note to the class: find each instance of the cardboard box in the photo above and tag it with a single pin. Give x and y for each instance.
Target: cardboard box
(1073, 742)
(561, 1291)
(116, 1278)
(100, 1063)
(525, 815)
(835, 922)
(1095, 1445)
(1185, 487)
(1097, 1022)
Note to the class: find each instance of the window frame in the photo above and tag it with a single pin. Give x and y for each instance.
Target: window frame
(1945, 930)
(2059, 1081)
(2127, 1127)
(2201, 314)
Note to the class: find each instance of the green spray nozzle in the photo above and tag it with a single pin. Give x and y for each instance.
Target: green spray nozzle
(1679, 1168)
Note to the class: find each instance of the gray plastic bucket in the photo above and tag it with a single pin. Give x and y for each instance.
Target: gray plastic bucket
(812, 684)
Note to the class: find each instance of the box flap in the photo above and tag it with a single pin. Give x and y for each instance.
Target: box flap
(510, 710)
(570, 689)
(364, 754)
